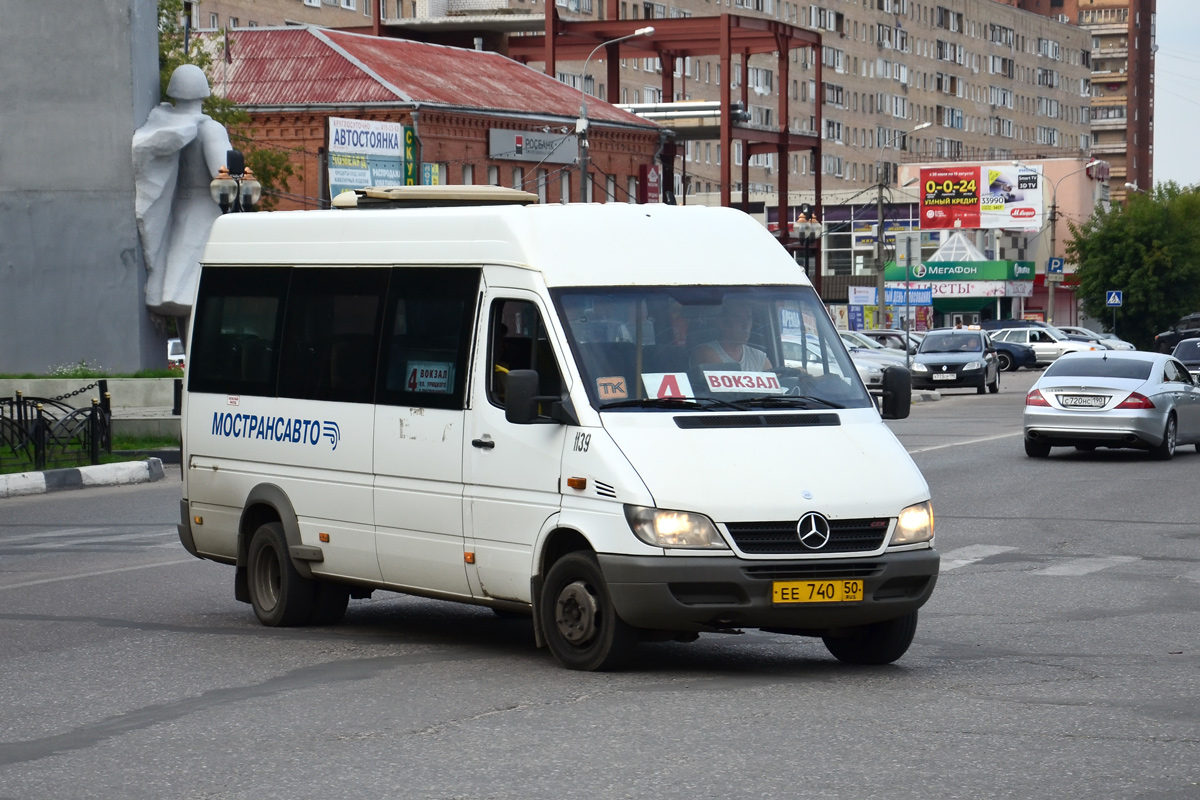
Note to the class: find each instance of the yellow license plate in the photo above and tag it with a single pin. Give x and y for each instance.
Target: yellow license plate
(839, 591)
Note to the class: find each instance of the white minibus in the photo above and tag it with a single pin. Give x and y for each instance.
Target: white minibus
(631, 422)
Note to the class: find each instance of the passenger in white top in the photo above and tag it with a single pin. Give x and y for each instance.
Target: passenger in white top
(730, 345)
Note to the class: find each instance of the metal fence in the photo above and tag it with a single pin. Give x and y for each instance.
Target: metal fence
(40, 433)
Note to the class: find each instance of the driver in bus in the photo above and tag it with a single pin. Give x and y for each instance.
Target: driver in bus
(730, 346)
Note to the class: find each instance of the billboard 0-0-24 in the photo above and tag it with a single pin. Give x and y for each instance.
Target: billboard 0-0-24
(987, 196)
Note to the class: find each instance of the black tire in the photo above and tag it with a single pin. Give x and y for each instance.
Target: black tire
(994, 386)
(579, 621)
(878, 643)
(1035, 449)
(281, 598)
(329, 603)
(1004, 361)
(1166, 450)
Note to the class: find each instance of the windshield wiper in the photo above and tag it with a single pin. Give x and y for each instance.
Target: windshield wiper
(679, 403)
(802, 400)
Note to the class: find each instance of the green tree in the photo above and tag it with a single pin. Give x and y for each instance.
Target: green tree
(271, 167)
(1148, 249)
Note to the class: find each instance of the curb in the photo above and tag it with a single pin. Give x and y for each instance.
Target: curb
(925, 397)
(57, 480)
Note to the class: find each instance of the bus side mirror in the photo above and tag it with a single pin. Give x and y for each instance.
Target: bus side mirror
(520, 393)
(522, 402)
(897, 393)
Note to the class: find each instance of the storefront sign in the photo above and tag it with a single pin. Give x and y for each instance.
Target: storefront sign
(942, 290)
(988, 196)
(545, 148)
(862, 295)
(895, 296)
(963, 270)
(366, 153)
(1019, 289)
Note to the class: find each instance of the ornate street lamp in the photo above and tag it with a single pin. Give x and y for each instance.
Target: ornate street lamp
(235, 187)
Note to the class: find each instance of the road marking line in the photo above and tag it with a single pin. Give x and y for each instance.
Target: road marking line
(969, 441)
(94, 574)
(963, 556)
(1083, 566)
(89, 541)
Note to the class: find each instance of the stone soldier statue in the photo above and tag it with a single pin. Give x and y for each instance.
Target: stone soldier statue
(176, 154)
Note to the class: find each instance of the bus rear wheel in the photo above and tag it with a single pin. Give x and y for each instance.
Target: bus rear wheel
(280, 596)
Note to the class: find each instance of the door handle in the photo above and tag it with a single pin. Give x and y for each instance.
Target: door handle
(486, 444)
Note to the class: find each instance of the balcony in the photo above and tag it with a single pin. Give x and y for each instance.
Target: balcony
(1109, 148)
(1114, 124)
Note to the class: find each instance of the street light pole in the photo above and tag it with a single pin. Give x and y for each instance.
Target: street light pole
(581, 127)
(1054, 231)
(880, 261)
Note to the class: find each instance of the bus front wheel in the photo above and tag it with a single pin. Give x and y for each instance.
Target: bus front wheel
(580, 624)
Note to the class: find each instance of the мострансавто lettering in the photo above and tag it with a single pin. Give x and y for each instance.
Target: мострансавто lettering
(278, 429)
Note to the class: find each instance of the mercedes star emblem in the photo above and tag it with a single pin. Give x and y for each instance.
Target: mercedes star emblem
(813, 530)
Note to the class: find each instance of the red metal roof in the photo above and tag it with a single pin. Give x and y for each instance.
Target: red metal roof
(304, 66)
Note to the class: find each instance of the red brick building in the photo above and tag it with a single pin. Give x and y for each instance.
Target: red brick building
(458, 103)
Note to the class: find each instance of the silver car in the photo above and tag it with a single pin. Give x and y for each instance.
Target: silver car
(1048, 343)
(1109, 340)
(1113, 398)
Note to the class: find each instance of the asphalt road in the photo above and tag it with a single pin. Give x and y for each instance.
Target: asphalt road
(1059, 657)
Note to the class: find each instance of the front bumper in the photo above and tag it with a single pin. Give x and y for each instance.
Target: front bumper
(974, 378)
(717, 593)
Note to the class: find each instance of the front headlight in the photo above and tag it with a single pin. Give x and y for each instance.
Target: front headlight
(973, 365)
(919, 367)
(915, 524)
(662, 528)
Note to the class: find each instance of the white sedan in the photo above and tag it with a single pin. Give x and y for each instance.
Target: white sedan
(1048, 344)
(1113, 398)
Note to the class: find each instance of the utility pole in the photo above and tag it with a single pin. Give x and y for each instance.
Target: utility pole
(1053, 252)
(880, 300)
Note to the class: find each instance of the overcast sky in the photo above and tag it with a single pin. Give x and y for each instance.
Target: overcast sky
(1177, 93)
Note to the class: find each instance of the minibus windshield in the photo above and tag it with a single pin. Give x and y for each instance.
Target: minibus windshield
(708, 348)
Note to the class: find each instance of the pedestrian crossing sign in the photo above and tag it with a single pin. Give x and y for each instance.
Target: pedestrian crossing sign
(1112, 299)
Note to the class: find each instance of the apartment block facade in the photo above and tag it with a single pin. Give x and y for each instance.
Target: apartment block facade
(902, 81)
(234, 14)
(1123, 45)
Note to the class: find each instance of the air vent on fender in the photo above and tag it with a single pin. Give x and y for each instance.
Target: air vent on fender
(604, 490)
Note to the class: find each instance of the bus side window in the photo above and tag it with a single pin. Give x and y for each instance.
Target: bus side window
(427, 337)
(518, 340)
(236, 330)
(331, 334)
